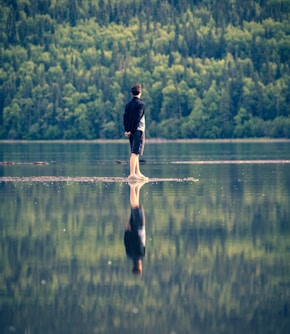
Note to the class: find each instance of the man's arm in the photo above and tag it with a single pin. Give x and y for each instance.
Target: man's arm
(133, 114)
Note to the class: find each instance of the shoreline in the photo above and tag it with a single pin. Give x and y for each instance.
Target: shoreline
(148, 141)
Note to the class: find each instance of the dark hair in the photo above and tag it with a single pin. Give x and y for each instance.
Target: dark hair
(136, 89)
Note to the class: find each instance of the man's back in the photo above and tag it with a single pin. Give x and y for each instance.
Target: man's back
(134, 111)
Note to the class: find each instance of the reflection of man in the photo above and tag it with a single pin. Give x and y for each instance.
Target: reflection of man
(135, 236)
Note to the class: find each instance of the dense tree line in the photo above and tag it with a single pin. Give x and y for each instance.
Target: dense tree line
(209, 68)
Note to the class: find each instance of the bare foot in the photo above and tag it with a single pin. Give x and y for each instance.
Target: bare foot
(132, 176)
(141, 176)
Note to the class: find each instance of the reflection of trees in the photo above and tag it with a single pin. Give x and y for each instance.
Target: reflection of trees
(208, 266)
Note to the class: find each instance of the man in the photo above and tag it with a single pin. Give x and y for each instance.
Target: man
(134, 124)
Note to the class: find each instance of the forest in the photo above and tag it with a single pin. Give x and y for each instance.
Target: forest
(209, 68)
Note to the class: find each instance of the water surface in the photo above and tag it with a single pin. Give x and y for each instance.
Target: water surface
(217, 250)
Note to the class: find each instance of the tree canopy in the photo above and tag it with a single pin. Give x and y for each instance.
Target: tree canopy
(209, 68)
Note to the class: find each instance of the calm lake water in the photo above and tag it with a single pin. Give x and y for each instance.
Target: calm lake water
(217, 256)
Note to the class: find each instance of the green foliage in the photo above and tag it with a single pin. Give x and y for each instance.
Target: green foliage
(66, 67)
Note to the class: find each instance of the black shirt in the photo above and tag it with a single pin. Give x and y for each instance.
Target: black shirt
(134, 111)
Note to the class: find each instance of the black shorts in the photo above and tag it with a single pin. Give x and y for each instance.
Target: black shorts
(136, 141)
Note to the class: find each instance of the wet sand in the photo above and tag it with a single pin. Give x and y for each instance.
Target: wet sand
(88, 179)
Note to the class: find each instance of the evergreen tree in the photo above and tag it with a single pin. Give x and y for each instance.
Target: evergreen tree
(210, 69)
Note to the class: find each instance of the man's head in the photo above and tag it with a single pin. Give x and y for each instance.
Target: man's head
(136, 89)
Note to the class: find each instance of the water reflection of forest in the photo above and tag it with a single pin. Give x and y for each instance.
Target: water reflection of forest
(217, 255)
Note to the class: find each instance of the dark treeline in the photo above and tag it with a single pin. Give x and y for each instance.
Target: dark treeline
(210, 69)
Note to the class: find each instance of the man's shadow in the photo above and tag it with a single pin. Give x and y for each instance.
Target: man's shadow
(135, 234)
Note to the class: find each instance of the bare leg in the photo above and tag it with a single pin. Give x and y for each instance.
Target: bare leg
(134, 159)
(135, 167)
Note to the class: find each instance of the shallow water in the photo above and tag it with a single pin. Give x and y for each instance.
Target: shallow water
(217, 250)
